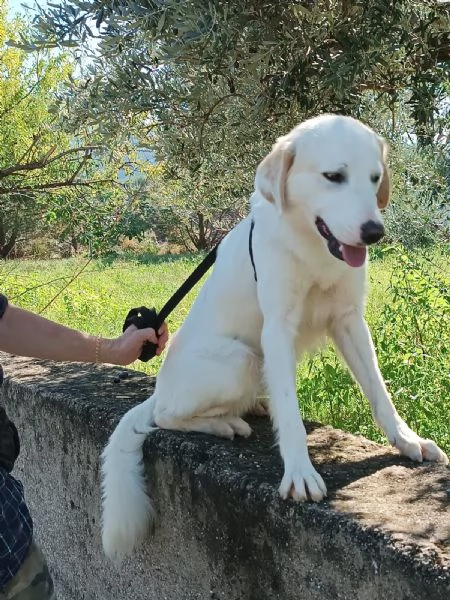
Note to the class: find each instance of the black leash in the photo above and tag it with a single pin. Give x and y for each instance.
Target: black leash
(143, 317)
(250, 248)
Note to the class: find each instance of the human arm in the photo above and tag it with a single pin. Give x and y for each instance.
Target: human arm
(26, 334)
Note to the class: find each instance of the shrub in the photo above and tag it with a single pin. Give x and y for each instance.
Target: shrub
(418, 214)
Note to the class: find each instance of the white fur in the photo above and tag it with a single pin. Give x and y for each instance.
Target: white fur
(240, 333)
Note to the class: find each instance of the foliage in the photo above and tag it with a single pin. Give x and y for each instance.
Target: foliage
(181, 60)
(209, 86)
(53, 182)
(25, 139)
(408, 313)
(187, 211)
(418, 214)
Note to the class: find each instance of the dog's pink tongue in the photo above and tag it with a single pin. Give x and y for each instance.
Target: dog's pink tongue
(354, 255)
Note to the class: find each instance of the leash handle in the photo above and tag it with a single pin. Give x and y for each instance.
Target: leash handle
(143, 317)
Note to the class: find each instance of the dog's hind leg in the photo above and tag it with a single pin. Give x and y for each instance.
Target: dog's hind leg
(221, 426)
(217, 388)
(261, 407)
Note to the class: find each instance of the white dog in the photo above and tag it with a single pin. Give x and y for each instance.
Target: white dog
(289, 274)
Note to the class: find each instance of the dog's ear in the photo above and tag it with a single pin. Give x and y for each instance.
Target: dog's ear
(385, 184)
(272, 172)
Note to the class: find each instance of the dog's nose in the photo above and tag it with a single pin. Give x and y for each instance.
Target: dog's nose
(371, 232)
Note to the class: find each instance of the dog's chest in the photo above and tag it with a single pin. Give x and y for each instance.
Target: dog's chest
(320, 307)
(323, 305)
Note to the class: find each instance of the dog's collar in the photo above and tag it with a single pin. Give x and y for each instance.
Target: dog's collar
(250, 247)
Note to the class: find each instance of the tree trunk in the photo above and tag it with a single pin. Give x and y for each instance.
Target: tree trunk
(6, 245)
(202, 243)
(74, 243)
(2, 232)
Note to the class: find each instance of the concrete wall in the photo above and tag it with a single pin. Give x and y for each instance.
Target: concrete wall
(383, 533)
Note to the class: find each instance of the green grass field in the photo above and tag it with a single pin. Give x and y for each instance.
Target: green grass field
(408, 312)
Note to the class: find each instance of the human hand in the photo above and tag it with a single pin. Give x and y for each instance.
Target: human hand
(128, 347)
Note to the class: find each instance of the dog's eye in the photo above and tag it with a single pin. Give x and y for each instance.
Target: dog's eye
(375, 178)
(334, 176)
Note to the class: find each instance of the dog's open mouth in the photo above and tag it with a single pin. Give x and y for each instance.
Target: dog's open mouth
(352, 255)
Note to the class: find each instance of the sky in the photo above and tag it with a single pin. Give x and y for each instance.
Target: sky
(15, 6)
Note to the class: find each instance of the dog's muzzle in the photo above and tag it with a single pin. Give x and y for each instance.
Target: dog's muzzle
(354, 256)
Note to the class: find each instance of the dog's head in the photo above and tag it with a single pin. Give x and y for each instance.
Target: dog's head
(331, 172)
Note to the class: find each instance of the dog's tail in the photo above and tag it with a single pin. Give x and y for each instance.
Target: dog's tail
(127, 508)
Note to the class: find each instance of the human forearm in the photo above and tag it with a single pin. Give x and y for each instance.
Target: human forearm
(27, 334)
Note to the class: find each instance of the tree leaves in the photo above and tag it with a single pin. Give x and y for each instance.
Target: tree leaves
(55, 176)
(210, 85)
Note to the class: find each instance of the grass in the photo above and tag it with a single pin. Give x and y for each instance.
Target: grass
(408, 312)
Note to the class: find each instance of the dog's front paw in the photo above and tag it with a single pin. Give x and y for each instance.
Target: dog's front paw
(302, 482)
(416, 448)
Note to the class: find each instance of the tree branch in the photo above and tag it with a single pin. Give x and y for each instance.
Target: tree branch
(205, 117)
(55, 185)
(45, 160)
